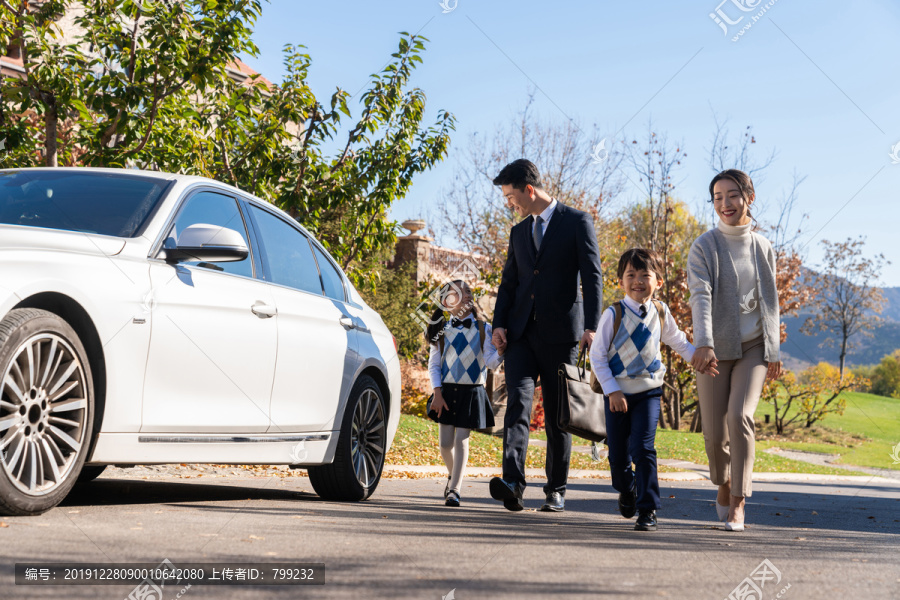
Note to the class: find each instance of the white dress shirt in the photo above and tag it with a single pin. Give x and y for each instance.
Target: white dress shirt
(545, 215)
(670, 335)
(492, 358)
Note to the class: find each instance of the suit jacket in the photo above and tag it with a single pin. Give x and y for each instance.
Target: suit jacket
(550, 281)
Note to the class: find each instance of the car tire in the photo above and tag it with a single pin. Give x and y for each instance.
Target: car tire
(46, 413)
(90, 473)
(359, 457)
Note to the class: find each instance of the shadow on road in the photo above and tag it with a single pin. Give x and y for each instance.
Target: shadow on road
(834, 506)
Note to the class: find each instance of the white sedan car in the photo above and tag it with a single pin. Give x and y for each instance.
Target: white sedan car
(149, 318)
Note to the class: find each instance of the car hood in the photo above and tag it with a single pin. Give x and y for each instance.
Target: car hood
(17, 237)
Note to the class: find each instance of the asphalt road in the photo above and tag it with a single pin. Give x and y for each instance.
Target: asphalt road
(826, 540)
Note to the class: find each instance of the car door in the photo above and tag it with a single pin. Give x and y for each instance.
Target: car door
(213, 334)
(316, 337)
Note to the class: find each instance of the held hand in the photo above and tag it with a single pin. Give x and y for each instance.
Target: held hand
(498, 338)
(617, 402)
(774, 371)
(704, 358)
(587, 338)
(712, 369)
(438, 403)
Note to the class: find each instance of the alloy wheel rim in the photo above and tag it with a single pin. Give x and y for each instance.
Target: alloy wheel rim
(367, 438)
(43, 411)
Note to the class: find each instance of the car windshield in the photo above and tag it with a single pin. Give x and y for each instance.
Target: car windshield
(73, 200)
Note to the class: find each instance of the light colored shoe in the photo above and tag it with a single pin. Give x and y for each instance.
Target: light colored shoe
(729, 526)
(722, 511)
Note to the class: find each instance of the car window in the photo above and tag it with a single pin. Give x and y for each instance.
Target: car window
(79, 200)
(331, 279)
(213, 209)
(287, 253)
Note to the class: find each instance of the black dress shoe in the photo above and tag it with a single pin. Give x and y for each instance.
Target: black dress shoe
(627, 502)
(508, 493)
(646, 520)
(556, 502)
(452, 499)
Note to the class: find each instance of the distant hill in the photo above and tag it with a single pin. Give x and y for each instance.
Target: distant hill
(801, 350)
(892, 310)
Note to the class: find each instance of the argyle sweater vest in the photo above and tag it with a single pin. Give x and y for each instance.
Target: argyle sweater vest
(634, 356)
(463, 359)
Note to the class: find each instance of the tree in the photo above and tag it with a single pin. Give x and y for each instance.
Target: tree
(274, 142)
(118, 70)
(794, 290)
(146, 84)
(663, 224)
(578, 168)
(33, 104)
(818, 392)
(394, 296)
(738, 153)
(886, 376)
(847, 301)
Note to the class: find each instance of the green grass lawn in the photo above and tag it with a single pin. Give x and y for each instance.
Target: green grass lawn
(416, 443)
(864, 435)
(684, 445)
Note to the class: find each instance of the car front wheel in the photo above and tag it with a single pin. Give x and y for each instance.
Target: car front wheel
(359, 457)
(46, 410)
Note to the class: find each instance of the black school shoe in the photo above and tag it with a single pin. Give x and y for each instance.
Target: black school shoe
(627, 502)
(452, 499)
(555, 502)
(646, 520)
(508, 493)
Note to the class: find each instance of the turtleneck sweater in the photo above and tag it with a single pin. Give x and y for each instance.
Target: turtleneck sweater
(741, 251)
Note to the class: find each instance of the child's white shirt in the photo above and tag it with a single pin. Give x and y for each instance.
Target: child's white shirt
(670, 335)
(492, 358)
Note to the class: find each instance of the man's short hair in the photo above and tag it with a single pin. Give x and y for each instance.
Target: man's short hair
(640, 259)
(518, 174)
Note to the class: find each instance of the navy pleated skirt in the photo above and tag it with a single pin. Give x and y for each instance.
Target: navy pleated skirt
(469, 407)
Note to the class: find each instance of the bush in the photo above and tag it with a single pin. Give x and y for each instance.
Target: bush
(816, 393)
(414, 401)
(395, 297)
(864, 372)
(537, 411)
(886, 376)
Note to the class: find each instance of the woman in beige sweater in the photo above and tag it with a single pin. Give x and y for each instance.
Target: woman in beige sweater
(731, 275)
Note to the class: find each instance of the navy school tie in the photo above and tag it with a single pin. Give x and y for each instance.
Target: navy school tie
(538, 233)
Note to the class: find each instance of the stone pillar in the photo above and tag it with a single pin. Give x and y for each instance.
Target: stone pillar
(414, 247)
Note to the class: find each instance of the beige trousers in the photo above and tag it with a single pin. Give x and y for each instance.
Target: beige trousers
(727, 404)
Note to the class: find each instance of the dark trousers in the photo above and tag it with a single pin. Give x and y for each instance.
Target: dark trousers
(631, 436)
(526, 359)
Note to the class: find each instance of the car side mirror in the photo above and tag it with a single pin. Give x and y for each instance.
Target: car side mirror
(208, 243)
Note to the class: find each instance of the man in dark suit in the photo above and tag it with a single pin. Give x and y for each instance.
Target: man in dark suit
(541, 317)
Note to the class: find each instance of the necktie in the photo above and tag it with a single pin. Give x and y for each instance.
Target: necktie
(538, 234)
(454, 322)
(643, 311)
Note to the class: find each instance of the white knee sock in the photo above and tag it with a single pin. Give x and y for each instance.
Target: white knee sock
(446, 435)
(460, 458)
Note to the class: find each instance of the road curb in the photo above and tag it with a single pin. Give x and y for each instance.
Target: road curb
(441, 472)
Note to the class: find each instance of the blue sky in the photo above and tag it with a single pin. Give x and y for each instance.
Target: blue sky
(817, 81)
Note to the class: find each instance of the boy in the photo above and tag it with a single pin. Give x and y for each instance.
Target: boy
(627, 363)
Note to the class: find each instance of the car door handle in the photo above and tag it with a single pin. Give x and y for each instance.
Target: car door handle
(264, 311)
(347, 322)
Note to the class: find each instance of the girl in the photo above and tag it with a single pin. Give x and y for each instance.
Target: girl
(731, 275)
(461, 351)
